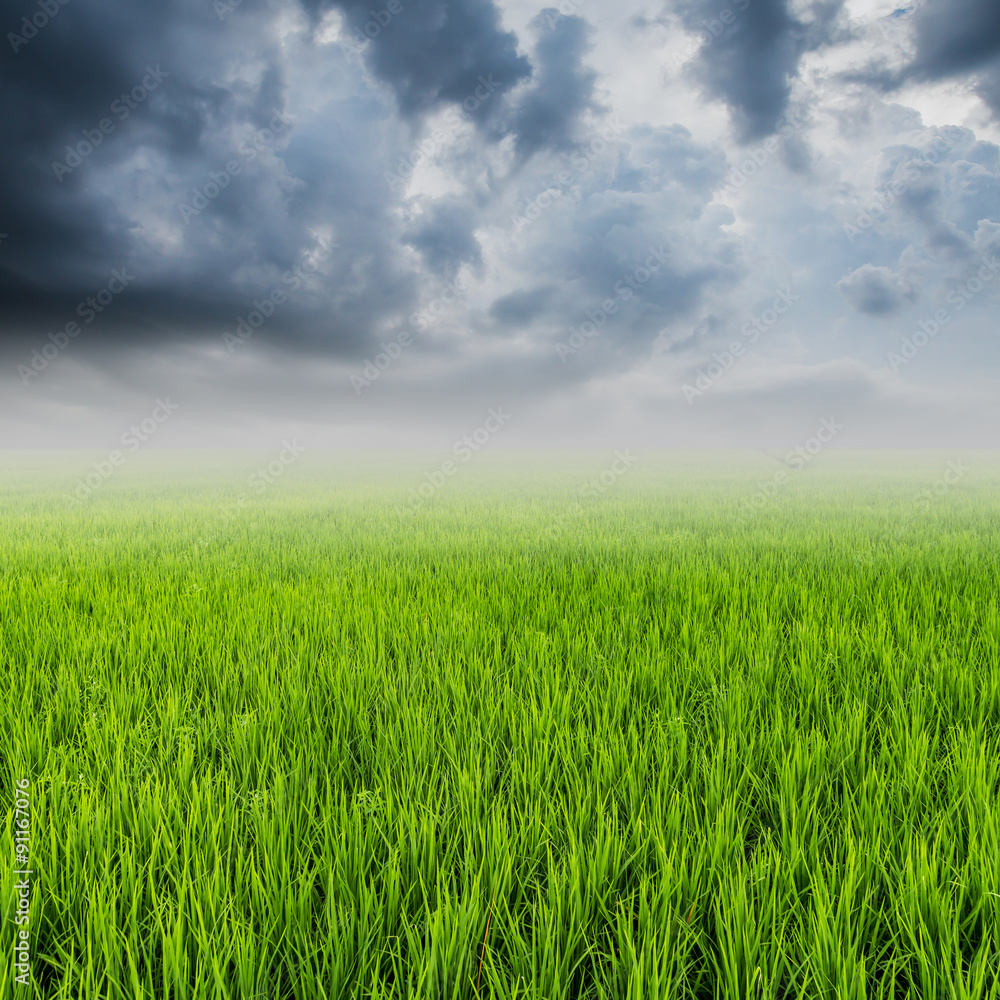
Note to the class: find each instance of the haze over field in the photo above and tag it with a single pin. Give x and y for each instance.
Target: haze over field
(687, 224)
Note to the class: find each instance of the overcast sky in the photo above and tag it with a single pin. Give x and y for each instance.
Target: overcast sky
(698, 223)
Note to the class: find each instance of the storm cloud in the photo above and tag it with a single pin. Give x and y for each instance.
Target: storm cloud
(750, 53)
(248, 202)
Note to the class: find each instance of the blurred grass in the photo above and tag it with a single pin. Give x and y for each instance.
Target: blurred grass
(312, 745)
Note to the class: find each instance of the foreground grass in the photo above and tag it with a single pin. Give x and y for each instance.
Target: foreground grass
(518, 743)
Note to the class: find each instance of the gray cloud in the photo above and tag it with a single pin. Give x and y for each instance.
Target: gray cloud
(751, 51)
(950, 39)
(518, 308)
(960, 37)
(445, 237)
(548, 115)
(432, 52)
(549, 193)
(877, 291)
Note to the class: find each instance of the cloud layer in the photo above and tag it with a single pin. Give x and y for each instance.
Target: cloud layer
(370, 220)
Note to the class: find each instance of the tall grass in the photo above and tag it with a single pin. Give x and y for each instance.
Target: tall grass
(325, 747)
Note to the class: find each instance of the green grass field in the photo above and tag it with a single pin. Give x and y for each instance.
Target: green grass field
(529, 739)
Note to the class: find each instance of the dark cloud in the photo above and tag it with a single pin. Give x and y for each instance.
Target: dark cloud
(957, 37)
(876, 291)
(751, 51)
(444, 148)
(519, 308)
(215, 184)
(445, 237)
(433, 52)
(60, 84)
(548, 115)
(211, 187)
(953, 38)
(110, 109)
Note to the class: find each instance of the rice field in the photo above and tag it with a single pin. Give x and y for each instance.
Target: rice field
(565, 726)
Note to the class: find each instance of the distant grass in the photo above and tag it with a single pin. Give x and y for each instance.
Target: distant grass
(323, 747)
